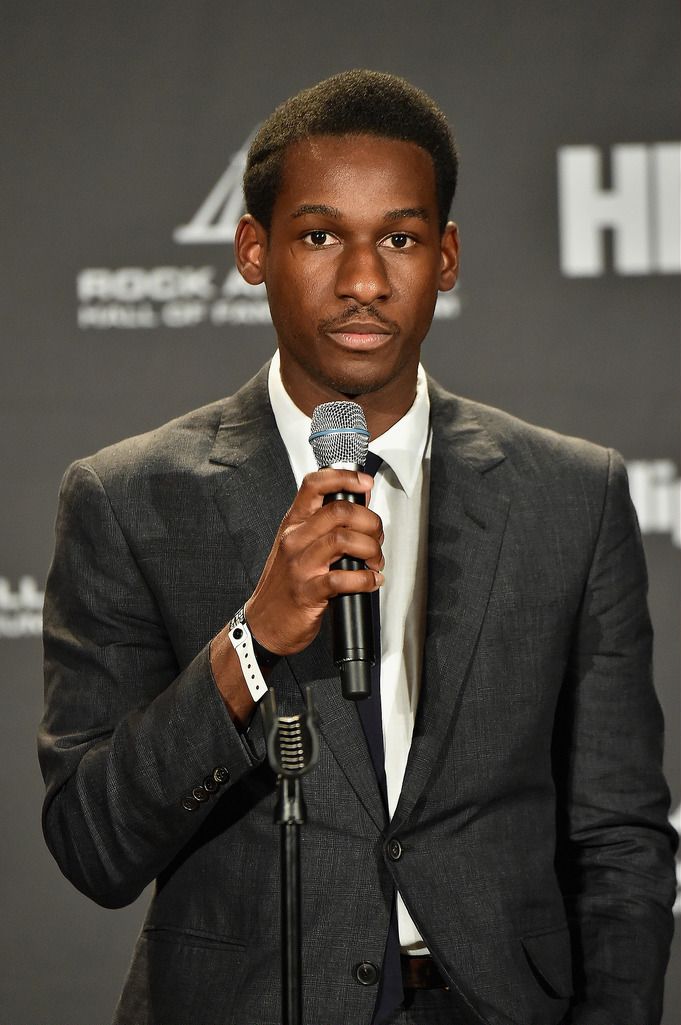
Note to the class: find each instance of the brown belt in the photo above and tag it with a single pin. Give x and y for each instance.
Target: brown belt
(421, 973)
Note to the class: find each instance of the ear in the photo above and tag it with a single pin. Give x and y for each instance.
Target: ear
(449, 257)
(250, 249)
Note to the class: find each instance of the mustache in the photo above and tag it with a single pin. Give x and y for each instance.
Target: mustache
(353, 313)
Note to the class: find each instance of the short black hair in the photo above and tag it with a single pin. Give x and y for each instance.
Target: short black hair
(356, 102)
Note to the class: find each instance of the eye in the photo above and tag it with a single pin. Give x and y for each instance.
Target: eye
(320, 239)
(398, 240)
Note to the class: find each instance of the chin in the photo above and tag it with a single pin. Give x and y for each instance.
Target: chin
(354, 386)
(356, 379)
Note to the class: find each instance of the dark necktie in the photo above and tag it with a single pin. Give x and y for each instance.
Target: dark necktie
(390, 993)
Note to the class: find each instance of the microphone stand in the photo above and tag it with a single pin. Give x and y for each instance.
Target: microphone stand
(292, 750)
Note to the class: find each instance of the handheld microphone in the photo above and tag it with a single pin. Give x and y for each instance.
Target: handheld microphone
(340, 440)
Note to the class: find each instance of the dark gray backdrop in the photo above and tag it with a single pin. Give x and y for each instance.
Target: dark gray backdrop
(120, 121)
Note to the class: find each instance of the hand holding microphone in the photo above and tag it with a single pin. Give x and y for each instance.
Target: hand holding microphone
(306, 567)
(340, 440)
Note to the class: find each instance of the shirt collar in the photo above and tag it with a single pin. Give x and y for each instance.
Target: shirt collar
(402, 446)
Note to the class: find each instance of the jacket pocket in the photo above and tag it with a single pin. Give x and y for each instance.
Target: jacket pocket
(181, 977)
(549, 960)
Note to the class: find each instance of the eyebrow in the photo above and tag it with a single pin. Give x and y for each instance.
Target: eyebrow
(400, 214)
(405, 212)
(317, 208)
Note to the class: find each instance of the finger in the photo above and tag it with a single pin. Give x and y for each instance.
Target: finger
(340, 581)
(373, 564)
(349, 514)
(317, 485)
(296, 538)
(327, 549)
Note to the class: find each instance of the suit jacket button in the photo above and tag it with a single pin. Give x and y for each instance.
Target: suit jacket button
(394, 849)
(199, 794)
(189, 804)
(210, 784)
(366, 973)
(221, 774)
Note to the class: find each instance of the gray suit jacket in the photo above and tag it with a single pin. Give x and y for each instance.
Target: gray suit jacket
(536, 861)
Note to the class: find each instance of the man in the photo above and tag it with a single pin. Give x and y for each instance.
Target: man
(517, 853)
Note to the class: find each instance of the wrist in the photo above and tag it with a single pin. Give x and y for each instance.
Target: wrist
(260, 628)
(255, 660)
(266, 659)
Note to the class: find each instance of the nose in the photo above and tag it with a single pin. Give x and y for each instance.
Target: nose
(362, 275)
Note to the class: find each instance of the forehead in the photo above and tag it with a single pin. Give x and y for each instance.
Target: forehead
(347, 171)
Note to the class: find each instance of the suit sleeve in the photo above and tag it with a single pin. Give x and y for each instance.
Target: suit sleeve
(127, 734)
(615, 845)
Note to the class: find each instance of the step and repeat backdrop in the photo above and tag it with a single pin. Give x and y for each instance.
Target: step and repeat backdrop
(125, 132)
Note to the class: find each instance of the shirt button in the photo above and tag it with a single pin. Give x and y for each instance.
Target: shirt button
(366, 973)
(394, 849)
(189, 804)
(221, 774)
(199, 794)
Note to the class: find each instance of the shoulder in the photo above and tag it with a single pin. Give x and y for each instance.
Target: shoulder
(480, 432)
(546, 474)
(181, 446)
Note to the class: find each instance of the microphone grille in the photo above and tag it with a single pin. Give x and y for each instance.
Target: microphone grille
(339, 434)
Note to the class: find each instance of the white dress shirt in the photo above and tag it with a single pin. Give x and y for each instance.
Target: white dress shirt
(400, 498)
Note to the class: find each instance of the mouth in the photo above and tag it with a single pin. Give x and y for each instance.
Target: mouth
(361, 336)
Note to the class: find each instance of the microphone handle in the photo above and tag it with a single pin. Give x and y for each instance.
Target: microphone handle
(352, 625)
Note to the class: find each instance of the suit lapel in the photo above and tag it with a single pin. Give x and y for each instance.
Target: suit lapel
(256, 486)
(467, 518)
(253, 493)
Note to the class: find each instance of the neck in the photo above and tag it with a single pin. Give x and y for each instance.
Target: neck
(380, 420)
